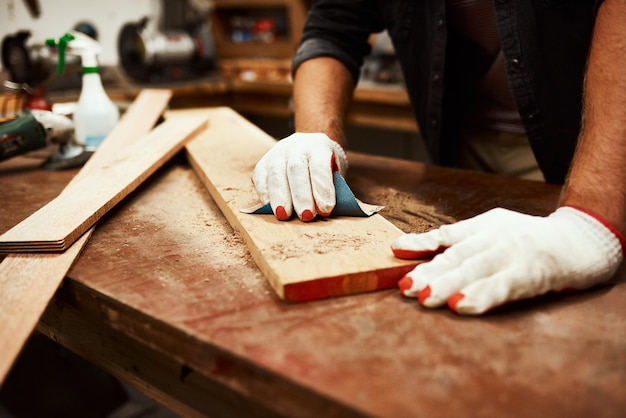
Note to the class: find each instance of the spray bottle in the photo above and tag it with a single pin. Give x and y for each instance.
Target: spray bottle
(95, 113)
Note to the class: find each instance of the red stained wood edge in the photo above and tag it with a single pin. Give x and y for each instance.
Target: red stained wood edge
(346, 284)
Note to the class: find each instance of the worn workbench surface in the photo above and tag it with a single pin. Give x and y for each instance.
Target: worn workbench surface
(167, 297)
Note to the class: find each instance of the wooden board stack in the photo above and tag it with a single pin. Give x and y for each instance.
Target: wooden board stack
(59, 223)
(28, 281)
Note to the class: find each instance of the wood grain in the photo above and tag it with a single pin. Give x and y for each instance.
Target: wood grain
(302, 261)
(58, 224)
(28, 281)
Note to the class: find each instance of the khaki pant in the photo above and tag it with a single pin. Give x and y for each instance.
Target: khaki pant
(497, 152)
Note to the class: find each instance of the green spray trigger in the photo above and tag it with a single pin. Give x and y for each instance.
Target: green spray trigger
(61, 43)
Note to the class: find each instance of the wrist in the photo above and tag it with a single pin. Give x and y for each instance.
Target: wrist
(333, 131)
(596, 187)
(603, 221)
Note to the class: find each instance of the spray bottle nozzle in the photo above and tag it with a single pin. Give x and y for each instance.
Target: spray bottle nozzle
(61, 43)
(76, 43)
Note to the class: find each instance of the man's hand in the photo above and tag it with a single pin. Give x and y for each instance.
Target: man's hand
(501, 256)
(297, 174)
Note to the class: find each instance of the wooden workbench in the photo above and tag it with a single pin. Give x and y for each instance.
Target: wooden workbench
(166, 297)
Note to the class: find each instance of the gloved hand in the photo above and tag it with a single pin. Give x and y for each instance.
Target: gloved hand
(501, 256)
(297, 174)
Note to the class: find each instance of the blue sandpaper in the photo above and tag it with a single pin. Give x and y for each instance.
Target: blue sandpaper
(347, 204)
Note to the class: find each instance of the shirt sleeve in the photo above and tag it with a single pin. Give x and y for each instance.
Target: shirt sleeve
(341, 30)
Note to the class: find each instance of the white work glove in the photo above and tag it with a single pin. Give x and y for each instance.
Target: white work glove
(297, 174)
(501, 256)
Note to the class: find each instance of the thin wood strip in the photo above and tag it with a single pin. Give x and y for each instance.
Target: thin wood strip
(82, 203)
(28, 281)
(138, 120)
(302, 261)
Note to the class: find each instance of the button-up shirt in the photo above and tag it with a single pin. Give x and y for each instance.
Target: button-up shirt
(544, 43)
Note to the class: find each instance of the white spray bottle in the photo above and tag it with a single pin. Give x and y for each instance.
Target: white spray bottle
(95, 113)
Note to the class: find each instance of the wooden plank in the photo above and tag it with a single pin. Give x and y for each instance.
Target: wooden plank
(58, 224)
(28, 281)
(302, 261)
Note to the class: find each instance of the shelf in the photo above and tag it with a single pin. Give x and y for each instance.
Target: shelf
(257, 28)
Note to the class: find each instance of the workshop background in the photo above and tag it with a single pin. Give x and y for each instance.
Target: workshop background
(56, 16)
(155, 43)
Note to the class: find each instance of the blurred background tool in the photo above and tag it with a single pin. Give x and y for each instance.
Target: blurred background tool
(26, 130)
(178, 45)
(33, 8)
(31, 62)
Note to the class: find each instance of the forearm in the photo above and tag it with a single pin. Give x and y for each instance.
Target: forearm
(597, 180)
(322, 92)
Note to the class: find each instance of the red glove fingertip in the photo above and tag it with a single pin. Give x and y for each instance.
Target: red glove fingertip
(307, 216)
(454, 300)
(405, 283)
(322, 213)
(281, 214)
(423, 294)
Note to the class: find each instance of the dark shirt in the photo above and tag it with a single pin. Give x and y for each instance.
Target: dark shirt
(495, 109)
(544, 43)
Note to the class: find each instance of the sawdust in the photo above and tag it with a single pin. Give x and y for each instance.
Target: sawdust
(407, 212)
(233, 240)
(318, 243)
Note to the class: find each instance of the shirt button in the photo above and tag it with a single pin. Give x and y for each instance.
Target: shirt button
(433, 123)
(440, 23)
(516, 62)
(436, 77)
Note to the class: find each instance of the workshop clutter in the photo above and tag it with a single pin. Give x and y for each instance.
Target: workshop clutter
(257, 28)
(267, 70)
(10, 106)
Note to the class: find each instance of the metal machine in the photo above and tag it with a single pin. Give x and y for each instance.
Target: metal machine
(178, 47)
(31, 63)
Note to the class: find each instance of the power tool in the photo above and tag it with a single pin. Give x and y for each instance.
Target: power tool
(34, 129)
